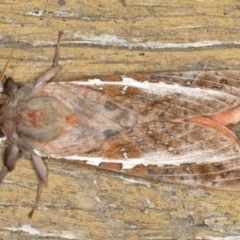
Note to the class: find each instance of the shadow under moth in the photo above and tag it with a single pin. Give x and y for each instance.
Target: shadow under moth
(179, 127)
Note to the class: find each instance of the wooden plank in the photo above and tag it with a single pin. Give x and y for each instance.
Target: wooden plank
(109, 37)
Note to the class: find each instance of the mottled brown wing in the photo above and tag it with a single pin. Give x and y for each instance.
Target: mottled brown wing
(156, 148)
(220, 167)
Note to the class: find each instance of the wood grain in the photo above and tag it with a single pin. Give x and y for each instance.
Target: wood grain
(109, 37)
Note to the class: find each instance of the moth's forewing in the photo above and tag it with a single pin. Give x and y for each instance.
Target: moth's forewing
(131, 128)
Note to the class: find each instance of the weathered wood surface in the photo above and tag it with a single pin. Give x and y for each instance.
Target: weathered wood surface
(109, 37)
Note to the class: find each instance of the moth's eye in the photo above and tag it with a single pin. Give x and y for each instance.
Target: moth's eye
(9, 86)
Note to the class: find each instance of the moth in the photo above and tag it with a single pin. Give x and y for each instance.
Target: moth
(179, 127)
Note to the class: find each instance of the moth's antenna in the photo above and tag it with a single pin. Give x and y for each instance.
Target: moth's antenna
(5, 67)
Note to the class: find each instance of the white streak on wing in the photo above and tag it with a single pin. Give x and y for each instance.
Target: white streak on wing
(37, 152)
(124, 90)
(125, 155)
(95, 80)
(2, 139)
(160, 158)
(160, 88)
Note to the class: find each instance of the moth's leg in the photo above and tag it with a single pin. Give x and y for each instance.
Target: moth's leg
(42, 176)
(39, 192)
(3, 173)
(9, 160)
(56, 67)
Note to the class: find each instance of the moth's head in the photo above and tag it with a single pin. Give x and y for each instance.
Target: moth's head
(10, 88)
